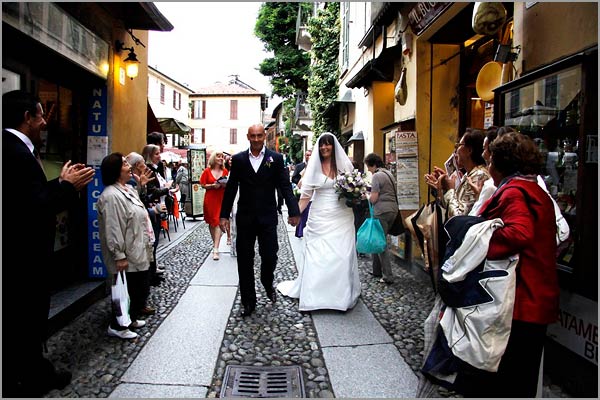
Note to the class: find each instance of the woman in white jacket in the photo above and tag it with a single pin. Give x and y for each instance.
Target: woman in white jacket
(126, 238)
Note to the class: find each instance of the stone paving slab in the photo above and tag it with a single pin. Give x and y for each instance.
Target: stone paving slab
(184, 348)
(217, 273)
(351, 328)
(369, 372)
(136, 390)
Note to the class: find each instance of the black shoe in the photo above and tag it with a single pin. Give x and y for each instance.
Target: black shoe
(247, 311)
(375, 276)
(156, 280)
(61, 379)
(58, 380)
(272, 295)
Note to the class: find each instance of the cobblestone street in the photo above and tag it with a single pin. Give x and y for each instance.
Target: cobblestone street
(274, 335)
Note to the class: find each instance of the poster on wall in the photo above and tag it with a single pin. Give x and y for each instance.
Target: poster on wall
(407, 170)
(197, 161)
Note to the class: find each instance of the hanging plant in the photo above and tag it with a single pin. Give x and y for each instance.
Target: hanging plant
(324, 30)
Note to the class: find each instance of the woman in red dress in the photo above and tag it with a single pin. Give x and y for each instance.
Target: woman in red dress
(214, 179)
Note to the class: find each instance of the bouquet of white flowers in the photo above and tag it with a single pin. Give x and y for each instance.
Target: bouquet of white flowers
(352, 186)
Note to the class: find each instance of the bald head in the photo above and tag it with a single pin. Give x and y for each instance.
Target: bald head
(256, 137)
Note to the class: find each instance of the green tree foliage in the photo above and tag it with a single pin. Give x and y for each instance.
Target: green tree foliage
(276, 28)
(324, 30)
(294, 149)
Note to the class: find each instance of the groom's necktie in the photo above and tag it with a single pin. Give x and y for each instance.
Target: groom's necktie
(36, 154)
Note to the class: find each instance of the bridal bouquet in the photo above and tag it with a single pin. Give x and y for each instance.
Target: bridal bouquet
(352, 186)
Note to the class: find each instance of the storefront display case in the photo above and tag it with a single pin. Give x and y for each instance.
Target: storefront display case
(557, 106)
(552, 106)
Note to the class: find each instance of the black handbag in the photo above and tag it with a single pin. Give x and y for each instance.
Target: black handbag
(397, 227)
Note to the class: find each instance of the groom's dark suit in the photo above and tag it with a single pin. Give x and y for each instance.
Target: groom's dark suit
(257, 216)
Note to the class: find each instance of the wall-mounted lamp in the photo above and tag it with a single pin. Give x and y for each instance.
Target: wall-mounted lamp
(504, 53)
(131, 62)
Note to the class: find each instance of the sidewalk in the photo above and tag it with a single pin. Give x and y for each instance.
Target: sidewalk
(180, 358)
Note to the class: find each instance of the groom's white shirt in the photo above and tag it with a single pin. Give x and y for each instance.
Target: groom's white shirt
(255, 161)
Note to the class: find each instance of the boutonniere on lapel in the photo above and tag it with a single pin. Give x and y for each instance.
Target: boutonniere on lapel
(269, 161)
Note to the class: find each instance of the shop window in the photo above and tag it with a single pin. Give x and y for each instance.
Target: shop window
(548, 110)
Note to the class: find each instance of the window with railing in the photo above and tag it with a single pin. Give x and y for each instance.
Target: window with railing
(199, 135)
(345, 33)
(199, 109)
(233, 136)
(233, 109)
(176, 100)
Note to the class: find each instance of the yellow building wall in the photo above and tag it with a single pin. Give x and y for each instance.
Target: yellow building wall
(128, 110)
(442, 114)
(545, 36)
(383, 114)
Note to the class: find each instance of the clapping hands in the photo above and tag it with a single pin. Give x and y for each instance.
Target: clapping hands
(440, 180)
(77, 174)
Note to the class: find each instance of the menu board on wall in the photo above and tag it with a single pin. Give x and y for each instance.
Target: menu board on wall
(407, 170)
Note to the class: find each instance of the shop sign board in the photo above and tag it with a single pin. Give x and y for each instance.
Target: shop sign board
(577, 326)
(49, 24)
(197, 162)
(424, 13)
(96, 151)
(407, 169)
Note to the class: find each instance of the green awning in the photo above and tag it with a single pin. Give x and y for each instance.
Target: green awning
(173, 126)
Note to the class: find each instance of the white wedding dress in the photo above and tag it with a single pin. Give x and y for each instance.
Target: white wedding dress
(328, 277)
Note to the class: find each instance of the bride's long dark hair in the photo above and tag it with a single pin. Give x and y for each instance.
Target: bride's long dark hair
(327, 139)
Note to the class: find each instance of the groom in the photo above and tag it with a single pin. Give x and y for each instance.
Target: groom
(258, 172)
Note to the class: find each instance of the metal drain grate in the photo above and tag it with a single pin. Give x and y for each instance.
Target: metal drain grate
(256, 381)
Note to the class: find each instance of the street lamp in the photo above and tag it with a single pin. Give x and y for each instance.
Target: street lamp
(131, 62)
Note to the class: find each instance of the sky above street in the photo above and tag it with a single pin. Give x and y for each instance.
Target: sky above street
(209, 42)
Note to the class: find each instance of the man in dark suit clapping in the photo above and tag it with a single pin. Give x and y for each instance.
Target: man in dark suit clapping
(258, 172)
(30, 241)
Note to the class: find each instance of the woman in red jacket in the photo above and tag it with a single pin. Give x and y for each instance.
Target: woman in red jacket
(529, 231)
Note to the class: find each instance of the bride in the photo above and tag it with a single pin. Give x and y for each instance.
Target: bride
(328, 275)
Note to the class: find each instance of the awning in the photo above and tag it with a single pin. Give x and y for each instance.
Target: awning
(152, 124)
(172, 126)
(139, 15)
(357, 136)
(378, 69)
(334, 107)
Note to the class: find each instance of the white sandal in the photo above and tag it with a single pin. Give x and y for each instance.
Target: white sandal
(215, 253)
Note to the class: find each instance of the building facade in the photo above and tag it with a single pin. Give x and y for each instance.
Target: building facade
(222, 113)
(72, 56)
(170, 103)
(412, 80)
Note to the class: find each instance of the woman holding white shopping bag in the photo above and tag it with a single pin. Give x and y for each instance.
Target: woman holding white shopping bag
(126, 239)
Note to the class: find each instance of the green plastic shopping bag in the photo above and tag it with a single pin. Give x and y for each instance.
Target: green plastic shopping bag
(370, 238)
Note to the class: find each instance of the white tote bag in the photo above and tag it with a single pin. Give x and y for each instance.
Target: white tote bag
(120, 300)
